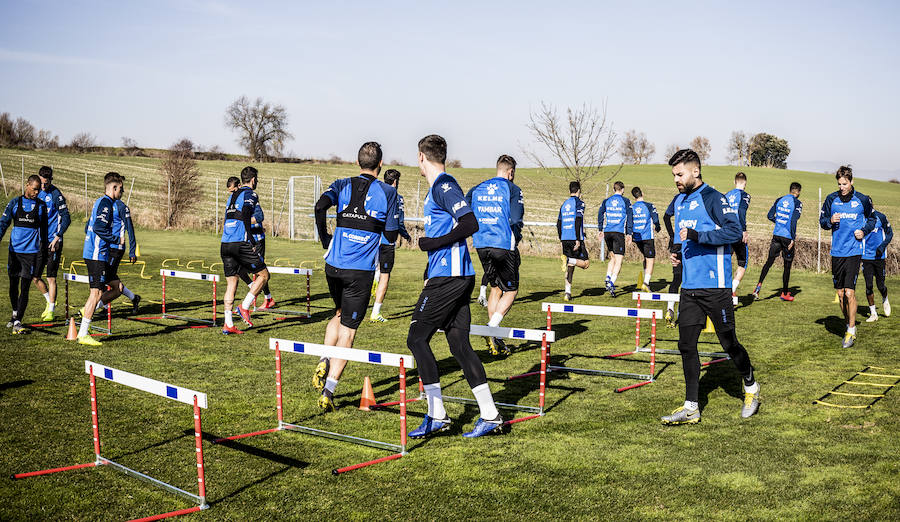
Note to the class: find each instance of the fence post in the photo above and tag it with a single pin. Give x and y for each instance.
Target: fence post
(3, 179)
(291, 208)
(23, 174)
(86, 207)
(216, 225)
(168, 200)
(819, 242)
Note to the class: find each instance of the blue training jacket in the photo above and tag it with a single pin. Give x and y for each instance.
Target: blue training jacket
(570, 222)
(121, 224)
(617, 210)
(234, 230)
(785, 213)
(363, 216)
(98, 234)
(855, 212)
(257, 229)
(670, 211)
(740, 201)
(28, 218)
(707, 260)
(401, 222)
(645, 220)
(499, 208)
(876, 242)
(444, 205)
(58, 219)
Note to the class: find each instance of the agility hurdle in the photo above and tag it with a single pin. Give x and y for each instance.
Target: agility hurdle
(189, 275)
(292, 271)
(162, 389)
(669, 298)
(84, 279)
(349, 354)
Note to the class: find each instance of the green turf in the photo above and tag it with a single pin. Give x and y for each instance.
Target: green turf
(596, 454)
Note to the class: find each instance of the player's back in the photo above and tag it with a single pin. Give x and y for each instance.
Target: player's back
(642, 217)
(784, 216)
(491, 202)
(444, 203)
(874, 239)
(571, 209)
(234, 230)
(366, 207)
(615, 210)
(95, 247)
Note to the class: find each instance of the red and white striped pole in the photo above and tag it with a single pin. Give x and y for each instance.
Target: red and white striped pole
(402, 407)
(637, 327)
(543, 371)
(67, 302)
(198, 438)
(653, 346)
(308, 298)
(215, 299)
(109, 318)
(278, 405)
(164, 294)
(549, 322)
(94, 417)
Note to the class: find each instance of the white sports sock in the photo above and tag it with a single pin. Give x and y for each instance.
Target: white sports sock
(485, 400)
(495, 319)
(691, 405)
(127, 293)
(670, 306)
(376, 309)
(571, 261)
(851, 330)
(753, 388)
(734, 285)
(435, 401)
(568, 287)
(482, 291)
(647, 279)
(872, 310)
(47, 297)
(85, 327)
(331, 384)
(52, 307)
(248, 301)
(14, 315)
(229, 320)
(613, 278)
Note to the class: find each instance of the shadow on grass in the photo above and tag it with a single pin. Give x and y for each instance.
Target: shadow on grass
(161, 443)
(249, 485)
(251, 450)
(833, 324)
(14, 384)
(793, 290)
(724, 376)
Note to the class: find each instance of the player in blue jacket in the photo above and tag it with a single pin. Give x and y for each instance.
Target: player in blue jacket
(674, 257)
(444, 302)
(645, 222)
(58, 221)
(121, 225)
(848, 214)
(499, 208)
(386, 249)
(366, 209)
(570, 227)
(740, 201)
(785, 213)
(27, 214)
(873, 259)
(616, 231)
(707, 226)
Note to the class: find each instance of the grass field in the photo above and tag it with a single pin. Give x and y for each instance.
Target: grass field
(595, 454)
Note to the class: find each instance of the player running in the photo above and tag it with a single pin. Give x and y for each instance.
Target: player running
(707, 227)
(58, 221)
(570, 227)
(785, 213)
(848, 214)
(499, 208)
(674, 257)
(28, 245)
(258, 231)
(616, 231)
(239, 249)
(366, 209)
(121, 224)
(740, 201)
(386, 250)
(873, 260)
(645, 221)
(444, 302)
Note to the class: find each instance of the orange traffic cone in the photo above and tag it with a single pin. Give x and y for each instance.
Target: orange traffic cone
(368, 395)
(73, 330)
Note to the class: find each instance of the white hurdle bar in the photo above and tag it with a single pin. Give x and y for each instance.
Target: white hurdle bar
(668, 298)
(177, 393)
(292, 271)
(189, 275)
(350, 354)
(84, 279)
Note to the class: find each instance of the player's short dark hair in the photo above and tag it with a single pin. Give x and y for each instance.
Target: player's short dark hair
(844, 172)
(34, 178)
(740, 176)
(617, 186)
(248, 173)
(434, 148)
(112, 177)
(45, 172)
(795, 186)
(636, 192)
(369, 156)
(233, 181)
(574, 187)
(507, 161)
(686, 156)
(391, 176)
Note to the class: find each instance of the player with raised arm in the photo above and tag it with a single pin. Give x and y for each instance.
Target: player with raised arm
(444, 302)
(58, 221)
(785, 213)
(616, 231)
(873, 260)
(740, 201)
(849, 216)
(366, 209)
(645, 222)
(707, 226)
(386, 250)
(499, 207)
(570, 227)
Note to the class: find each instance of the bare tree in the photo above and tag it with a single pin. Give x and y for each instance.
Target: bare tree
(581, 144)
(670, 151)
(24, 132)
(83, 141)
(181, 182)
(635, 148)
(739, 149)
(46, 140)
(700, 145)
(262, 127)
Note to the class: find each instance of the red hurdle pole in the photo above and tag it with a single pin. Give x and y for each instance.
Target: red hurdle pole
(544, 348)
(637, 327)
(198, 438)
(109, 318)
(164, 294)
(94, 417)
(278, 405)
(54, 470)
(215, 299)
(67, 302)
(653, 346)
(548, 329)
(308, 298)
(402, 407)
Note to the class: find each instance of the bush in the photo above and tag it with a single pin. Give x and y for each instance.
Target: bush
(180, 183)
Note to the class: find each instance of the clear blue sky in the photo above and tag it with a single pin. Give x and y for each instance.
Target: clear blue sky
(824, 75)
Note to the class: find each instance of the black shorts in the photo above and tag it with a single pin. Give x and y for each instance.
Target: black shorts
(386, 258)
(647, 248)
(697, 304)
(501, 267)
(615, 242)
(844, 271)
(568, 248)
(741, 253)
(53, 260)
(350, 290)
(780, 244)
(444, 303)
(26, 266)
(237, 255)
(96, 273)
(112, 264)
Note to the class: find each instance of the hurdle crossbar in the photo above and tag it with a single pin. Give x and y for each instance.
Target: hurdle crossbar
(669, 298)
(350, 354)
(177, 393)
(291, 271)
(189, 275)
(84, 279)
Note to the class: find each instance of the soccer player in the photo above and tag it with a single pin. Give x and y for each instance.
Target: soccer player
(259, 234)
(707, 226)
(239, 249)
(58, 221)
(366, 209)
(874, 253)
(570, 227)
(645, 221)
(848, 214)
(121, 223)
(231, 186)
(740, 201)
(499, 208)
(785, 213)
(444, 302)
(98, 236)
(27, 246)
(616, 231)
(386, 250)
(674, 257)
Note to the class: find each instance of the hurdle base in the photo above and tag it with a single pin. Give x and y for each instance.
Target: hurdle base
(714, 361)
(501, 405)
(338, 471)
(18, 476)
(189, 319)
(604, 373)
(394, 403)
(171, 514)
(632, 386)
(342, 437)
(715, 355)
(245, 435)
(201, 501)
(526, 374)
